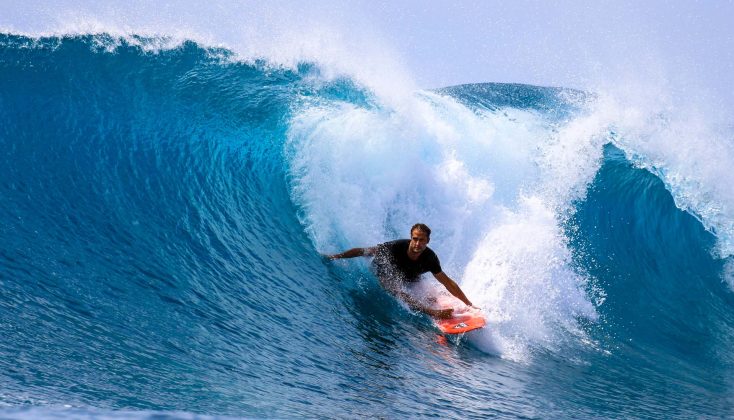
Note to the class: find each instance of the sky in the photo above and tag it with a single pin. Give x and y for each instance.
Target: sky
(686, 45)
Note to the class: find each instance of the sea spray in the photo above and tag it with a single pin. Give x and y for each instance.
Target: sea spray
(364, 175)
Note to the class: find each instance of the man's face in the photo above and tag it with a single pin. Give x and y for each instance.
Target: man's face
(418, 241)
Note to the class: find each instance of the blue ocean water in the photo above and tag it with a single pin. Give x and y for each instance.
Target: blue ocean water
(162, 212)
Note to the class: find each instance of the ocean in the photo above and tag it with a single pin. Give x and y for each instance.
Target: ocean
(164, 205)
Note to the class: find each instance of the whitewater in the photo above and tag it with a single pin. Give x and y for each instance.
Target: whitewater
(165, 201)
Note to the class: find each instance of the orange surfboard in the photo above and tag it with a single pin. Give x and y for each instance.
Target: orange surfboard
(461, 322)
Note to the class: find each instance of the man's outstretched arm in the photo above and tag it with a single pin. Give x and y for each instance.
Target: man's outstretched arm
(452, 287)
(351, 253)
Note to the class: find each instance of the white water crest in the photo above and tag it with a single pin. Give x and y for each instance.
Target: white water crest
(283, 34)
(494, 186)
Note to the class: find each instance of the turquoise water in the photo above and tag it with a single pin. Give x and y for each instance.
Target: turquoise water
(162, 212)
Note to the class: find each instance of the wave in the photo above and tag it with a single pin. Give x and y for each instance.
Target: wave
(165, 204)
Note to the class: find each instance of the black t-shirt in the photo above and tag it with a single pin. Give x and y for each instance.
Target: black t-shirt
(391, 259)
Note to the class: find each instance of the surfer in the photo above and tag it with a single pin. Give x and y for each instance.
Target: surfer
(403, 261)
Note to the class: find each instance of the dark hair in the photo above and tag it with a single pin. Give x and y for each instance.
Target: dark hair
(423, 228)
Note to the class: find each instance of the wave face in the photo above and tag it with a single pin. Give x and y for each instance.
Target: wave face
(163, 211)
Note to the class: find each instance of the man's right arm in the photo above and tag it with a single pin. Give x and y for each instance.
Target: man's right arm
(351, 253)
(393, 288)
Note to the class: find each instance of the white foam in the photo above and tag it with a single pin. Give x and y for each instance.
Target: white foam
(521, 270)
(494, 186)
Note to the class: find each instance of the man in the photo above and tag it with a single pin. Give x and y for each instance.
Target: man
(403, 261)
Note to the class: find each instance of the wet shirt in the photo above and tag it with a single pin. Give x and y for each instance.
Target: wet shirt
(391, 259)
